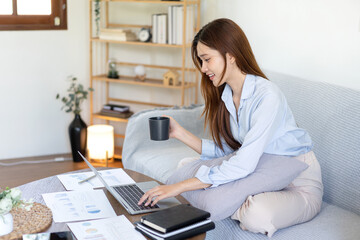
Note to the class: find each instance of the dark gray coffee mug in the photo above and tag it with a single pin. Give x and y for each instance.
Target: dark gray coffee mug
(159, 128)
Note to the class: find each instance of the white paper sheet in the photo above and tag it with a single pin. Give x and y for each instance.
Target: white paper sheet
(113, 177)
(106, 229)
(78, 205)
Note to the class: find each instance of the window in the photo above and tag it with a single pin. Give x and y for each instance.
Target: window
(33, 14)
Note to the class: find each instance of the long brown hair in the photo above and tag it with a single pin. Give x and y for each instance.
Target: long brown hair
(225, 36)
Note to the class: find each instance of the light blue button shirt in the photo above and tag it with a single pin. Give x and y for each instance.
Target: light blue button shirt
(265, 125)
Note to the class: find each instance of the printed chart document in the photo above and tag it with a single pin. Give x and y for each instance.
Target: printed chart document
(106, 229)
(113, 177)
(78, 205)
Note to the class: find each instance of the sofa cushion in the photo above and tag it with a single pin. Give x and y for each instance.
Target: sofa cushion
(332, 223)
(331, 115)
(272, 173)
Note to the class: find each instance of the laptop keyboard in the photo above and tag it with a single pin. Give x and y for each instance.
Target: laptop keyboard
(132, 194)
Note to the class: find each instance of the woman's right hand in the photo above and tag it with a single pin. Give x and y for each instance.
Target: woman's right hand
(175, 128)
(180, 133)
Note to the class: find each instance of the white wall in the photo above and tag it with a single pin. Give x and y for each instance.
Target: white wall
(317, 40)
(34, 66)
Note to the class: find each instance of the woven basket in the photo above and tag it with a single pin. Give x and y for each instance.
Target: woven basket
(38, 219)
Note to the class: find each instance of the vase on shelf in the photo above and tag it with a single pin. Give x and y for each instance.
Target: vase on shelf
(77, 133)
(6, 224)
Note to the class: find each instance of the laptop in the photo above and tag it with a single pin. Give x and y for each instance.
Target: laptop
(128, 195)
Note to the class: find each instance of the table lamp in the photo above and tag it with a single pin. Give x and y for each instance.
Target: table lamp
(100, 144)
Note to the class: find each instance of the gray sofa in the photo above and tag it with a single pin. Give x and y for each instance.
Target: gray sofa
(331, 114)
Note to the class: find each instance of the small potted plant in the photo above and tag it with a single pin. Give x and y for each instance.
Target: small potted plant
(77, 128)
(97, 16)
(9, 199)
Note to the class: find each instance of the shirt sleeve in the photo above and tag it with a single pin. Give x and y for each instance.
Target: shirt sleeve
(264, 121)
(210, 150)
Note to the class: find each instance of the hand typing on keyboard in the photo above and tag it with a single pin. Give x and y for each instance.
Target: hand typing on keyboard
(158, 193)
(131, 194)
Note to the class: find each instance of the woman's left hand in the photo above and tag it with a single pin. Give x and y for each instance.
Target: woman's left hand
(160, 192)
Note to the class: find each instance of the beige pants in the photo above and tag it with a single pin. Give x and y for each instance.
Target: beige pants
(299, 202)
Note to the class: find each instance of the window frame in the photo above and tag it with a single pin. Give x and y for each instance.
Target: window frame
(36, 22)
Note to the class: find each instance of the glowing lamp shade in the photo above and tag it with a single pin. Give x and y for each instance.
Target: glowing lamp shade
(100, 140)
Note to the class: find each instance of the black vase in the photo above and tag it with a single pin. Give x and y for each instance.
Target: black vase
(77, 133)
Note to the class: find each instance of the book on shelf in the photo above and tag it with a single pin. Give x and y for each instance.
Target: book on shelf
(190, 21)
(175, 24)
(110, 113)
(168, 27)
(117, 34)
(178, 26)
(154, 28)
(174, 218)
(182, 233)
(160, 28)
(116, 107)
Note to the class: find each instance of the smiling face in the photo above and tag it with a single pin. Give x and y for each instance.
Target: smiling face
(212, 64)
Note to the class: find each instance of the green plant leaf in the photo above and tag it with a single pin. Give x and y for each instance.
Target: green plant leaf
(76, 95)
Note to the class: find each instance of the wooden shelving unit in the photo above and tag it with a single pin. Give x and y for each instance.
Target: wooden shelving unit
(183, 88)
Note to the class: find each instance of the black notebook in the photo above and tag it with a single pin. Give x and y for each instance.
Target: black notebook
(174, 218)
(183, 233)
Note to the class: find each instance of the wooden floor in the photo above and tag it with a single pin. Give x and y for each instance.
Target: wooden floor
(13, 176)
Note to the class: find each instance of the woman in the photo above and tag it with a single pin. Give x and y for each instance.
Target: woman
(249, 115)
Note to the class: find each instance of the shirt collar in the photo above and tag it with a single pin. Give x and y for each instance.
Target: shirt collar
(249, 86)
(247, 91)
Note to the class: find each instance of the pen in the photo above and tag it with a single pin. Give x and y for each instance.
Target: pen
(86, 179)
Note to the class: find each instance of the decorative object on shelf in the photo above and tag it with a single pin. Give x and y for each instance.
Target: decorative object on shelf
(101, 143)
(9, 199)
(140, 73)
(77, 128)
(113, 73)
(145, 35)
(171, 78)
(97, 16)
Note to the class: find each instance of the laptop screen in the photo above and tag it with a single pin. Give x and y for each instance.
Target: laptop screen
(97, 173)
